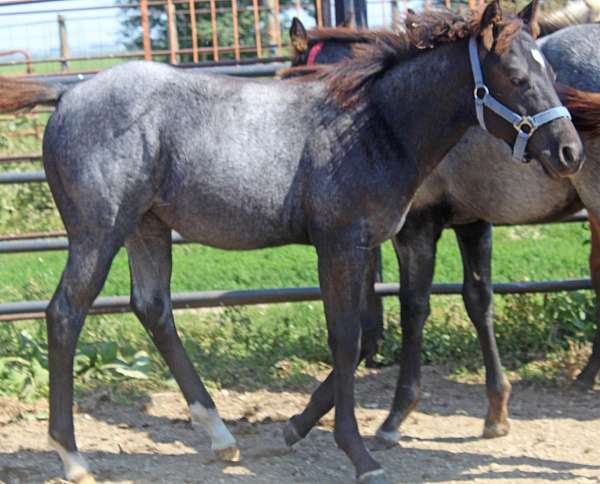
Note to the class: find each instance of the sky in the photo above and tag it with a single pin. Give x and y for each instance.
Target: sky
(88, 31)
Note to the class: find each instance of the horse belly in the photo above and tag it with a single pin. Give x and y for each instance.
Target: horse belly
(239, 224)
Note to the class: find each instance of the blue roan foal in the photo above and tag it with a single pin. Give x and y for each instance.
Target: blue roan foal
(145, 148)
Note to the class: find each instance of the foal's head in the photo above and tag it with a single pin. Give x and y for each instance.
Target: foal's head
(514, 70)
(518, 76)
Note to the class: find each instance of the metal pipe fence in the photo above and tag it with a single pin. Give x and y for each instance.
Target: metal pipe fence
(177, 31)
(213, 299)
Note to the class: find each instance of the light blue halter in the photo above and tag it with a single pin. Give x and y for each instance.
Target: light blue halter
(524, 125)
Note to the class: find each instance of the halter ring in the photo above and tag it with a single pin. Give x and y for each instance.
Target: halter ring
(483, 90)
(525, 126)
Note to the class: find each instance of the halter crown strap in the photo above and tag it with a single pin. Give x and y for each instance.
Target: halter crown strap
(524, 125)
(314, 52)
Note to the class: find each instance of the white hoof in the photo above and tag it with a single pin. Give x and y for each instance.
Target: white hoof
(75, 466)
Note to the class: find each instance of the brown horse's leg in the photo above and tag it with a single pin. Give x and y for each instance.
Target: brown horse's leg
(149, 251)
(588, 374)
(374, 325)
(475, 241)
(415, 248)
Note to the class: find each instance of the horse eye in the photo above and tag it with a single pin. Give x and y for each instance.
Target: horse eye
(520, 81)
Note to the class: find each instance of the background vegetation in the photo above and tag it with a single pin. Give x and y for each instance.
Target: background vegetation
(541, 337)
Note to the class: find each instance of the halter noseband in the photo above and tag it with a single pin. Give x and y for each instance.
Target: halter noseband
(524, 125)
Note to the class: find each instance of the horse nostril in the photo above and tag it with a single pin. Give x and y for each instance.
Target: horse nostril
(568, 156)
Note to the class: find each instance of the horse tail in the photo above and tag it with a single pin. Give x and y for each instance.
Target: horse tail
(17, 94)
(584, 107)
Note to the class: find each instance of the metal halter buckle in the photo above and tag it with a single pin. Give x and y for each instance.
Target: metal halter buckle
(525, 125)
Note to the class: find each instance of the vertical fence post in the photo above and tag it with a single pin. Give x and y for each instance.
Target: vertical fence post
(351, 12)
(64, 43)
(323, 8)
(236, 31)
(395, 15)
(213, 28)
(257, 36)
(194, 31)
(145, 30)
(172, 32)
(272, 23)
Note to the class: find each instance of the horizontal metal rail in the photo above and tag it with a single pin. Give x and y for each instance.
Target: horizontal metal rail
(267, 69)
(213, 299)
(20, 158)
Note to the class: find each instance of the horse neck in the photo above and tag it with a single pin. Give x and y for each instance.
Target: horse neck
(427, 103)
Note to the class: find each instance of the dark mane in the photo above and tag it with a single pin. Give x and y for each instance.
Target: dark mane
(375, 52)
(584, 107)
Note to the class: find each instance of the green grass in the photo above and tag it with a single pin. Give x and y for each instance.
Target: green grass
(557, 252)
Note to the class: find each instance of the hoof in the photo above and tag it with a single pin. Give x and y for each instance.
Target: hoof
(84, 479)
(491, 431)
(75, 466)
(389, 438)
(290, 434)
(228, 454)
(584, 382)
(373, 477)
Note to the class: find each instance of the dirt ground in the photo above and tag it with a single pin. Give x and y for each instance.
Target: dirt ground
(555, 436)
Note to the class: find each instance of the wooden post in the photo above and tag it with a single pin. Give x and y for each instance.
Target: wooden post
(352, 13)
(323, 8)
(64, 43)
(172, 32)
(257, 36)
(272, 23)
(145, 30)
(236, 32)
(395, 15)
(213, 28)
(194, 31)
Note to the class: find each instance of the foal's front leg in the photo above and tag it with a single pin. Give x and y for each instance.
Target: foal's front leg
(321, 400)
(345, 278)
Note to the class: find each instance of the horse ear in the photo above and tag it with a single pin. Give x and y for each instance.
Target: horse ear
(529, 16)
(298, 36)
(491, 19)
(411, 19)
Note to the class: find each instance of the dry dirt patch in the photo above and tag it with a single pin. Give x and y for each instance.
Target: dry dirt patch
(555, 436)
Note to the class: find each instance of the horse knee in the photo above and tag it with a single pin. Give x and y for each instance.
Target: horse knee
(154, 313)
(477, 296)
(63, 323)
(413, 317)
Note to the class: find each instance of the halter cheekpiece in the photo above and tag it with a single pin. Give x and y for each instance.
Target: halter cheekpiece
(524, 125)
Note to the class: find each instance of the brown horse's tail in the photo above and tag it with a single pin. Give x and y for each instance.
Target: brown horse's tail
(17, 94)
(584, 107)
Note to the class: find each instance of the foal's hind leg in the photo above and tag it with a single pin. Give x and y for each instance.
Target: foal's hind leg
(87, 266)
(475, 241)
(415, 248)
(588, 375)
(149, 251)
